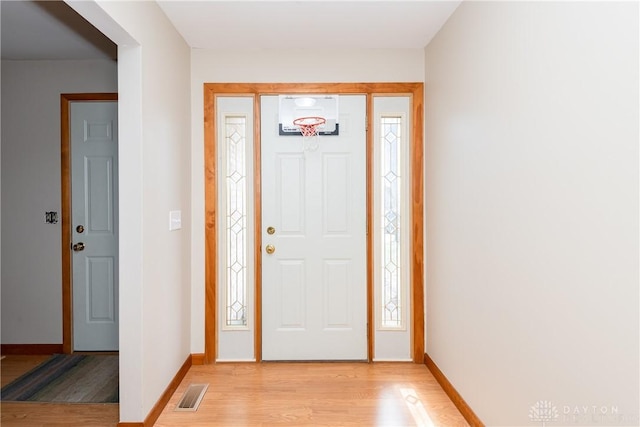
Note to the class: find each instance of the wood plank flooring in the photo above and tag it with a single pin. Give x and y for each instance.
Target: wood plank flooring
(314, 394)
(34, 414)
(268, 394)
(14, 366)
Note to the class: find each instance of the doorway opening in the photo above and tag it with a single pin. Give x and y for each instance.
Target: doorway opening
(100, 201)
(254, 92)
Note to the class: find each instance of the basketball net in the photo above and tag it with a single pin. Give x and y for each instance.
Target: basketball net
(309, 129)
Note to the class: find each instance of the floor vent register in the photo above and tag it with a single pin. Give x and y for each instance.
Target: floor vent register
(192, 397)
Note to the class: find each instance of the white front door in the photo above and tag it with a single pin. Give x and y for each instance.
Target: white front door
(314, 286)
(94, 205)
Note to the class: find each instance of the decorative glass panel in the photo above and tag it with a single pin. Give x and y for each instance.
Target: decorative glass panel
(391, 213)
(236, 221)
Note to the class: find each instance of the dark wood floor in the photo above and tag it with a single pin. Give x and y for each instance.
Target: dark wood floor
(49, 414)
(269, 394)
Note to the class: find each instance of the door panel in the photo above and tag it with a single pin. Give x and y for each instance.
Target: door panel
(290, 284)
(335, 171)
(100, 289)
(314, 299)
(336, 296)
(290, 176)
(94, 148)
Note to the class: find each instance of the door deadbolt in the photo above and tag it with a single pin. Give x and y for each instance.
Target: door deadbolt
(80, 229)
(78, 247)
(271, 230)
(270, 249)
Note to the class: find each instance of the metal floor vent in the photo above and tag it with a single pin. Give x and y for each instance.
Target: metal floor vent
(192, 397)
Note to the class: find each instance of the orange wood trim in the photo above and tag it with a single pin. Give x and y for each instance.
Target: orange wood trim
(453, 394)
(257, 89)
(157, 409)
(197, 359)
(101, 96)
(339, 88)
(371, 320)
(417, 217)
(65, 167)
(30, 349)
(257, 191)
(65, 208)
(131, 425)
(210, 250)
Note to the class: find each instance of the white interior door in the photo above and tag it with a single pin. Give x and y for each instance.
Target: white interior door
(94, 205)
(314, 293)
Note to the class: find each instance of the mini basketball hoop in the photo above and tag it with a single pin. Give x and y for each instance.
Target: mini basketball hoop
(309, 129)
(309, 125)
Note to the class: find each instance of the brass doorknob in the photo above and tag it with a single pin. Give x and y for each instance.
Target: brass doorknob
(270, 249)
(78, 247)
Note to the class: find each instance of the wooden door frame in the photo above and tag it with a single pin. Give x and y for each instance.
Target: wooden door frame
(65, 207)
(255, 90)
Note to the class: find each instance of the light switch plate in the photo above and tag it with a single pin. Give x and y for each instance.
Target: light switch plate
(175, 220)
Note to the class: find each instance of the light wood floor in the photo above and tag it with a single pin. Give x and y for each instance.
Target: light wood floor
(269, 394)
(315, 394)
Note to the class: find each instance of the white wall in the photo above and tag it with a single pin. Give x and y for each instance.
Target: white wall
(532, 209)
(273, 66)
(154, 93)
(31, 186)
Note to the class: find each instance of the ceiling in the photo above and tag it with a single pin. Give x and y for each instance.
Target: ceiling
(49, 30)
(52, 30)
(310, 24)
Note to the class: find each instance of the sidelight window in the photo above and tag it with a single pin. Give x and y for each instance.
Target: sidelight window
(236, 220)
(391, 214)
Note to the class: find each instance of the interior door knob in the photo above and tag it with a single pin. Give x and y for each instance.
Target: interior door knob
(78, 247)
(270, 249)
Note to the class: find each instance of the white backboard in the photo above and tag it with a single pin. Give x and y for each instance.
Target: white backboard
(293, 107)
